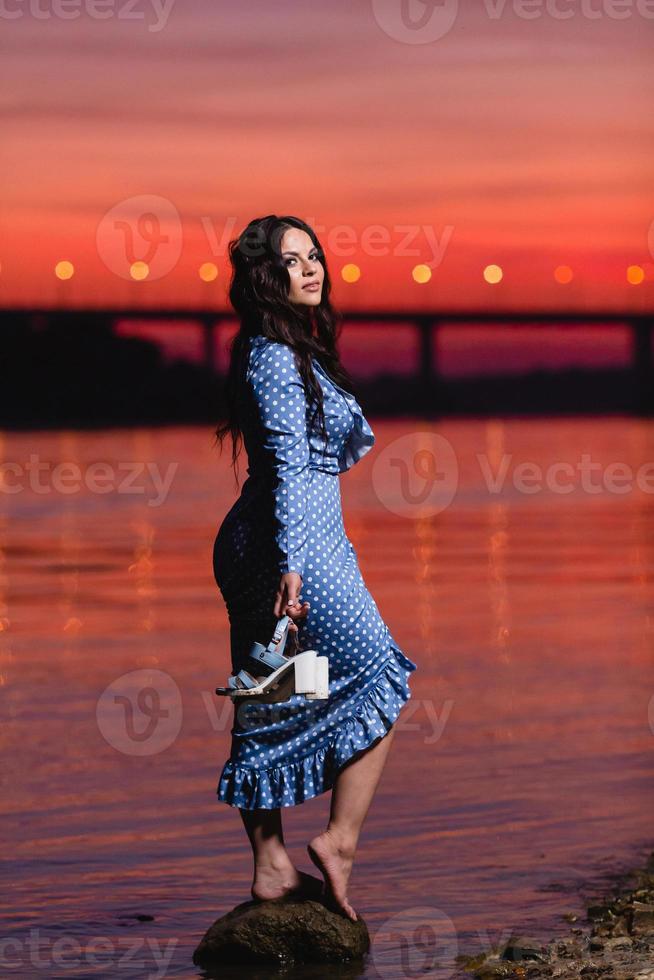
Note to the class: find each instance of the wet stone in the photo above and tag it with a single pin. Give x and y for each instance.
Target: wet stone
(282, 932)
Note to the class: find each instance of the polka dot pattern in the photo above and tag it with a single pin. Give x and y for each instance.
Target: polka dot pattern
(289, 518)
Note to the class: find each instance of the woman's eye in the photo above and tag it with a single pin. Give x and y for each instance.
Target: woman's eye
(314, 257)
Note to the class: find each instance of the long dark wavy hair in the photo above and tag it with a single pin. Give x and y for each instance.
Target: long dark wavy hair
(259, 293)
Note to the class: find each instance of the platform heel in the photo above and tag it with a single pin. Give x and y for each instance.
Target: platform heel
(305, 671)
(322, 680)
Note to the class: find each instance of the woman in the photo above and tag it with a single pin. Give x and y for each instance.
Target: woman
(285, 536)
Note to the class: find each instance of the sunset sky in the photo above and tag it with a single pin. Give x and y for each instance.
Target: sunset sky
(485, 136)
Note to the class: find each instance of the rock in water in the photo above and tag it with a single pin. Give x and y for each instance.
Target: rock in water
(282, 931)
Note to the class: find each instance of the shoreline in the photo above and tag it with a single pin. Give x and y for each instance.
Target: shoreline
(614, 940)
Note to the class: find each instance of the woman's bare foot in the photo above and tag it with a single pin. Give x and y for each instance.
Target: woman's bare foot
(285, 881)
(334, 859)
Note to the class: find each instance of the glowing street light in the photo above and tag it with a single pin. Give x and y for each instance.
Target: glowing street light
(563, 274)
(421, 273)
(351, 272)
(493, 274)
(635, 274)
(139, 271)
(208, 272)
(64, 270)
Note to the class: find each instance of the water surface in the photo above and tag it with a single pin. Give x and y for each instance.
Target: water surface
(521, 775)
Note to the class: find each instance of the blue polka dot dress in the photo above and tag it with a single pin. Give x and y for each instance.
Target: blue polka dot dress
(288, 518)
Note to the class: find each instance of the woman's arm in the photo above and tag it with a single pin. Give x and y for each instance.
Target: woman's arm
(280, 401)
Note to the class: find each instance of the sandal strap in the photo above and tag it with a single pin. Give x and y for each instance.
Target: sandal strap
(266, 658)
(247, 680)
(271, 655)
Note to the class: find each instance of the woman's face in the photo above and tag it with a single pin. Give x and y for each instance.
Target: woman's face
(306, 271)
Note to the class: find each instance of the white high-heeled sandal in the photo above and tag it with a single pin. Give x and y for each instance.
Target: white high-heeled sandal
(302, 669)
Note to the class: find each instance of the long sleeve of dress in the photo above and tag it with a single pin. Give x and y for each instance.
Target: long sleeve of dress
(280, 403)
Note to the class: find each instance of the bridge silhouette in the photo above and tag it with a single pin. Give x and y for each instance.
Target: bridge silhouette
(426, 387)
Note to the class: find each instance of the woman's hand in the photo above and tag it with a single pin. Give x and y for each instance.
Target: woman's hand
(287, 599)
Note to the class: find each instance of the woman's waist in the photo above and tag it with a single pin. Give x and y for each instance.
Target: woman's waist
(261, 486)
(261, 479)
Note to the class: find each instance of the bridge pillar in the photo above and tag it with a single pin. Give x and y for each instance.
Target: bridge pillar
(427, 368)
(641, 332)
